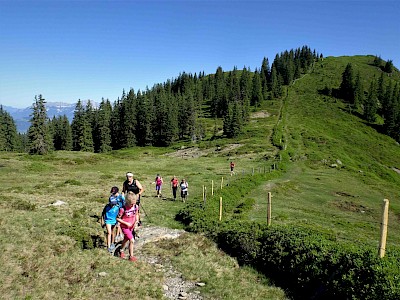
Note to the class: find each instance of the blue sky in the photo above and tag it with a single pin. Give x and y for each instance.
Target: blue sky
(70, 50)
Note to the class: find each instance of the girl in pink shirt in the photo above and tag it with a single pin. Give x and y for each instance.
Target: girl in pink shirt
(128, 217)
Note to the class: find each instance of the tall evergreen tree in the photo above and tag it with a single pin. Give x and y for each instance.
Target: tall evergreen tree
(102, 128)
(256, 95)
(40, 140)
(388, 68)
(346, 88)
(62, 138)
(371, 103)
(143, 121)
(82, 139)
(358, 92)
(276, 86)
(9, 140)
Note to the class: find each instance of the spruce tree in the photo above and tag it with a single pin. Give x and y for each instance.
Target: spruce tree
(371, 103)
(256, 95)
(358, 92)
(103, 130)
(346, 88)
(9, 140)
(40, 140)
(143, 121)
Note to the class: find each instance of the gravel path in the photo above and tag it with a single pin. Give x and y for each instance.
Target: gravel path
(175, 287)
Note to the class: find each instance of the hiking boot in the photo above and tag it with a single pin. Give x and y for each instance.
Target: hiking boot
(112, 247)
(122, 254)
(132, 258)
(110, 250)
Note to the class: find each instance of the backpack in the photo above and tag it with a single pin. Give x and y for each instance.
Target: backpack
(133, 188)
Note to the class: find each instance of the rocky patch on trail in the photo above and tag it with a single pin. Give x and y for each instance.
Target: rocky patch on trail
(195, 152)
(175, 286)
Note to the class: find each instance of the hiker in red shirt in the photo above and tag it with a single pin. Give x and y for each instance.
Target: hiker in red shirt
(232, 165)
(174, 185)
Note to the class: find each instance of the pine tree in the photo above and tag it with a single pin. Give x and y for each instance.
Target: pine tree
(276, 86)
(40, 140)
(9, 140)
(370, 103)
(358, 92)
(346, 88)
(62, 139)
(388, 68)
(143, 121)
(82, 139)
(256, 95)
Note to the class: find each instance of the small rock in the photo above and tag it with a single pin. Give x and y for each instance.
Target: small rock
(338, 161)
(102, 274)
(334, 166)
(58, 203)
(183, 294)
(200, 284)
(165, 287)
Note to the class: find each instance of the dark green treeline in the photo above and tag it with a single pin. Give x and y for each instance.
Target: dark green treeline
(175, 110)
(381, 98)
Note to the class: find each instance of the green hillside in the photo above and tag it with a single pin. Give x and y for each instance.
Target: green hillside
(319, 132)
(327, 169)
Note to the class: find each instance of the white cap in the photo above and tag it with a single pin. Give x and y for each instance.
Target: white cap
(129, 174)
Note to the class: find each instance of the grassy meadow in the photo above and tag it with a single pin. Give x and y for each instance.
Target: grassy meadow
(44, 254)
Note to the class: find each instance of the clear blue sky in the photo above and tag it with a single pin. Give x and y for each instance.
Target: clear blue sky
(70, 50)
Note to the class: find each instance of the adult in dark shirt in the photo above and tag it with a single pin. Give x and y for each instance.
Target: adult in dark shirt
(133, 185)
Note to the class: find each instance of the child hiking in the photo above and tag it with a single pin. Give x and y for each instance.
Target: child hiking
(109, 216)
(158, 181)
(128, 217)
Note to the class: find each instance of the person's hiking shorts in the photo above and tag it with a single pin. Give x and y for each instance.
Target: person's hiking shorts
(127, 233)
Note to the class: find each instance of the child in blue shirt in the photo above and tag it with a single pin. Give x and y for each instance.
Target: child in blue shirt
(109, 215)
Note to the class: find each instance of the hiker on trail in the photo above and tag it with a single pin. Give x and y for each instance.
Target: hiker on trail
(158, 181)
(120, 200)
(232, 166)
(174, 185)
(109, 216)
(184, 189)
(128, 218)
(133, 185)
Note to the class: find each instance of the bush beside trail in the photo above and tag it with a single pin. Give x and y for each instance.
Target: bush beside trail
(308, 263)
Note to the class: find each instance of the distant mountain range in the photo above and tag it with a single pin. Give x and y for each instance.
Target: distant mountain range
(22, 116)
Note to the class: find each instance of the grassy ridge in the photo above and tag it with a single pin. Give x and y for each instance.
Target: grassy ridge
(344, 200)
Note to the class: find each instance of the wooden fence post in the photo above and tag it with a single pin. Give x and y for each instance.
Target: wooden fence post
(205, 195)
(384, 224)
(269, 208)
(222, 181)
(212, 187)
(220, 208)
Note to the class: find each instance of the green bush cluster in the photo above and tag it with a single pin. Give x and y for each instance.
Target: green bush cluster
(309, 264)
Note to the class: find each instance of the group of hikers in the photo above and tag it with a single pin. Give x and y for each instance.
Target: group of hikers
(121, 215)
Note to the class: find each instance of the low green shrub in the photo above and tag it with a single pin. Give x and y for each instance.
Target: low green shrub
(307, 263)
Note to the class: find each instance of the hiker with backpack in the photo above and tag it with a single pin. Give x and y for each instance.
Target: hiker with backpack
(174, 185)
(158, 181)
(184, 189)
(133, 185)
(109, 216)
(128, 218)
